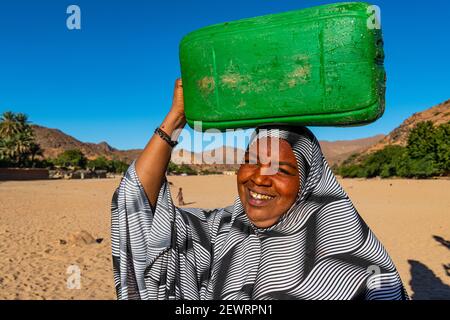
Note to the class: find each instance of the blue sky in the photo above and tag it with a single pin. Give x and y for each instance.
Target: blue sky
(113, 79)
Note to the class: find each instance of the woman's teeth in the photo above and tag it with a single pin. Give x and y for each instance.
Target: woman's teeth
(259, 196)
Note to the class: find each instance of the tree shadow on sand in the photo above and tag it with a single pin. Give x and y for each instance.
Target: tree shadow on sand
(424, 283)
(442, 241)
(446, 244)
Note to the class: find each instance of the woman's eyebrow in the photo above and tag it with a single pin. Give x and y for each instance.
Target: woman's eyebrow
(281, 163)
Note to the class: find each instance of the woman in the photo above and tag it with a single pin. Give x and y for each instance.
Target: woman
(291, 234)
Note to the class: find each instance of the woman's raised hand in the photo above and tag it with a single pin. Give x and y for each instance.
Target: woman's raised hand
(176, 118)
(152, 164)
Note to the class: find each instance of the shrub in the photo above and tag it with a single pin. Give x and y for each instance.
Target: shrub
(72, 158)
(427, 154)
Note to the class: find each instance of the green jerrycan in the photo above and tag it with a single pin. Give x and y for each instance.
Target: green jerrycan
(321, 66)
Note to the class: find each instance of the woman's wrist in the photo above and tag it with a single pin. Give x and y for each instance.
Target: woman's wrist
(172, 122)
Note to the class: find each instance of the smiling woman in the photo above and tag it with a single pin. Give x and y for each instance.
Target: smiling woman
(293, 233)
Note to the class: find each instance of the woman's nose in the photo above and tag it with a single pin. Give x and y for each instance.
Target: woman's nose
(261, 177)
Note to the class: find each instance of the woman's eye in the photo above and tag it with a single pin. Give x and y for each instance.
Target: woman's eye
(285, 172)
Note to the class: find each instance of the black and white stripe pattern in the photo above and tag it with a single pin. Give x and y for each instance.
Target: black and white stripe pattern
(320, 249)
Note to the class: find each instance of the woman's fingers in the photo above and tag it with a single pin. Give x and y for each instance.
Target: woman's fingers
(178, 98)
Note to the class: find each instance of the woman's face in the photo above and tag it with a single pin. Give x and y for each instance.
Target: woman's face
(267, 194)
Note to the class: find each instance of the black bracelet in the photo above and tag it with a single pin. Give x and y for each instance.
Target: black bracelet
(166, 137)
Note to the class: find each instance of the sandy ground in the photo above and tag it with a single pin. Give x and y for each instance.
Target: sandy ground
(411, 218)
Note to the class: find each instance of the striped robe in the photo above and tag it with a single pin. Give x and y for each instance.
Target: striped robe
(319, 249)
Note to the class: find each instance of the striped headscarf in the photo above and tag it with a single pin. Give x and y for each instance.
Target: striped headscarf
(319, 249)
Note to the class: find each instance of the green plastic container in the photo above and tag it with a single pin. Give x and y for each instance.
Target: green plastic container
(321, 66)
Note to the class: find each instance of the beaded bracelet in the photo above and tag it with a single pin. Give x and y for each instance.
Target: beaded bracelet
(166, 137)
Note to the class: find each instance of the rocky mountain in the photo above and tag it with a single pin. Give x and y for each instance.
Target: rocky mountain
(54, 142)
(208, 159)
(337, 151)
(334, 151)
(438, 114)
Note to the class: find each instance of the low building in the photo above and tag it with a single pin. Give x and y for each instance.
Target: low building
(23, 174)
(101, 174)
(82, 174)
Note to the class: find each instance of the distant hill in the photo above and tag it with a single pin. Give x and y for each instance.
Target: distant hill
(337, 151)
(230, 156)
(54, 142)
(334, 151)
(399, 136)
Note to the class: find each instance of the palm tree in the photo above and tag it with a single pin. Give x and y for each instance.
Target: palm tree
(22, 121)
(8, 149)
(9, 124)
(35, 150)
(23, 144)
(17, 143)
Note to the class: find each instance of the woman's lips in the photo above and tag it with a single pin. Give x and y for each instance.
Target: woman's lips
(258, 199)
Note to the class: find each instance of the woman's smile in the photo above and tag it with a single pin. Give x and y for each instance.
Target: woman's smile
(258, 199)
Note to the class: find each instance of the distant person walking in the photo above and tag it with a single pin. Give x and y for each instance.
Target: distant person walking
(180, 197)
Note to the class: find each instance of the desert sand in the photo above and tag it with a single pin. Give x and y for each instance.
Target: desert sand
(41, 221)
